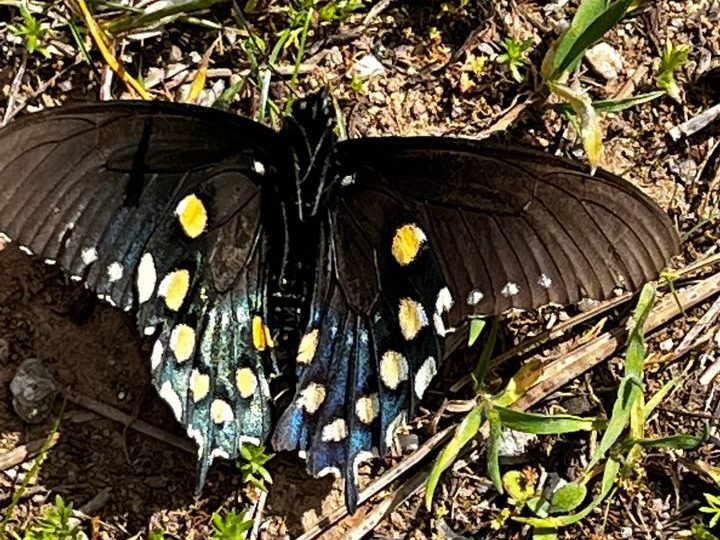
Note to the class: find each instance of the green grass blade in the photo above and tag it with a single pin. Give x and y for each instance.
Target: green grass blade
(629, 393)
(586, 13)
(544, 424)
(477, 325)
(613, 105)
(658, 397)
(465, 432)
(677, 442)
(493, 449)
(520, 383)
(480, 372)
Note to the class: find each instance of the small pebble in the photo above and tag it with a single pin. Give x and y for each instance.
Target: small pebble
(604, 60)
(368, 66)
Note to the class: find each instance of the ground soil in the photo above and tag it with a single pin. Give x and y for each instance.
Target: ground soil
(426, 87)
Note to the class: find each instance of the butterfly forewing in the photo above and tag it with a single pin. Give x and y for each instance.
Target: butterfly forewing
(157, 207)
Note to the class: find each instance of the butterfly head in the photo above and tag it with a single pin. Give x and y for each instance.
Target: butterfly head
(314, 112)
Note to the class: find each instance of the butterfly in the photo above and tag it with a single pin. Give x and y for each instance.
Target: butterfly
(256, 258)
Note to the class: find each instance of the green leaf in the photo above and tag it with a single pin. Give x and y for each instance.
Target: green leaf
(568, 498)
(657, 398)
(520, 383)
(592, 20)
(478, 375)
(543, 424)
(677, 442)
(673, 59)
(613, 105)
(476, 327)
(544, 533)
(465, 432)
(233, 526)
(628, 392)
(587, 119)
(609, 475)
(700, 532)
(493, 449)
(517, 486)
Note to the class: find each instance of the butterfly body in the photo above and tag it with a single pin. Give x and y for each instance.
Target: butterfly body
(256, 259)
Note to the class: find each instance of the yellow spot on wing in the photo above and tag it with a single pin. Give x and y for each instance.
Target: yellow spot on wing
(335, 431)
(221, 412)
(407, 242)
(393, 369)
(199, 384)
(311, 397)
(182, 342)
(246, 382)
(174, 288)
(192, 215)
(412, 318)
(307, 347)
(261, 334)
(367, 408)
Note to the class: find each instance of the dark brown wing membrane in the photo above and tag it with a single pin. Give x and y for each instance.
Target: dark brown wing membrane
(510, 227)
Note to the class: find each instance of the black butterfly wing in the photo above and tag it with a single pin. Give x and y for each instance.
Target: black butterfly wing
(420, 234)
(498, 216)
(156, 206)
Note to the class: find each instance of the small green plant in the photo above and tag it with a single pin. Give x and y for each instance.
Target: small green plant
(357, 84)
(156, 534)
(339, 10)
(514, 57)
(31, 30)
(252, 465)
(32, 473)
(673, 58)
(54, 524)
(621, 447)
(233, 526)
(712, 508)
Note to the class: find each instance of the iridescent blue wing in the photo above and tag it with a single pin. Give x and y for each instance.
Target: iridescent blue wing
(422, 233)
(156, 208)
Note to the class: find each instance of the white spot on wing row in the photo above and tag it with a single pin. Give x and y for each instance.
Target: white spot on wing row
(146, 278)
(510, 289)
(115, 272)
(544, 281)
(398, 422)
(475, 297)
(367, 408)
(424, 376)
(89, 255)
(335, 431)
(443, 304)
(170, 396)
(258, 167)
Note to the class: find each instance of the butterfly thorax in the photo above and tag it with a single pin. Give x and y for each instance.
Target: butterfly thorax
(295, 214)
(311, 137)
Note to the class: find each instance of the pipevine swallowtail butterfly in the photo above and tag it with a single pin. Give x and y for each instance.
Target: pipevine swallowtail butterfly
(246, 253)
